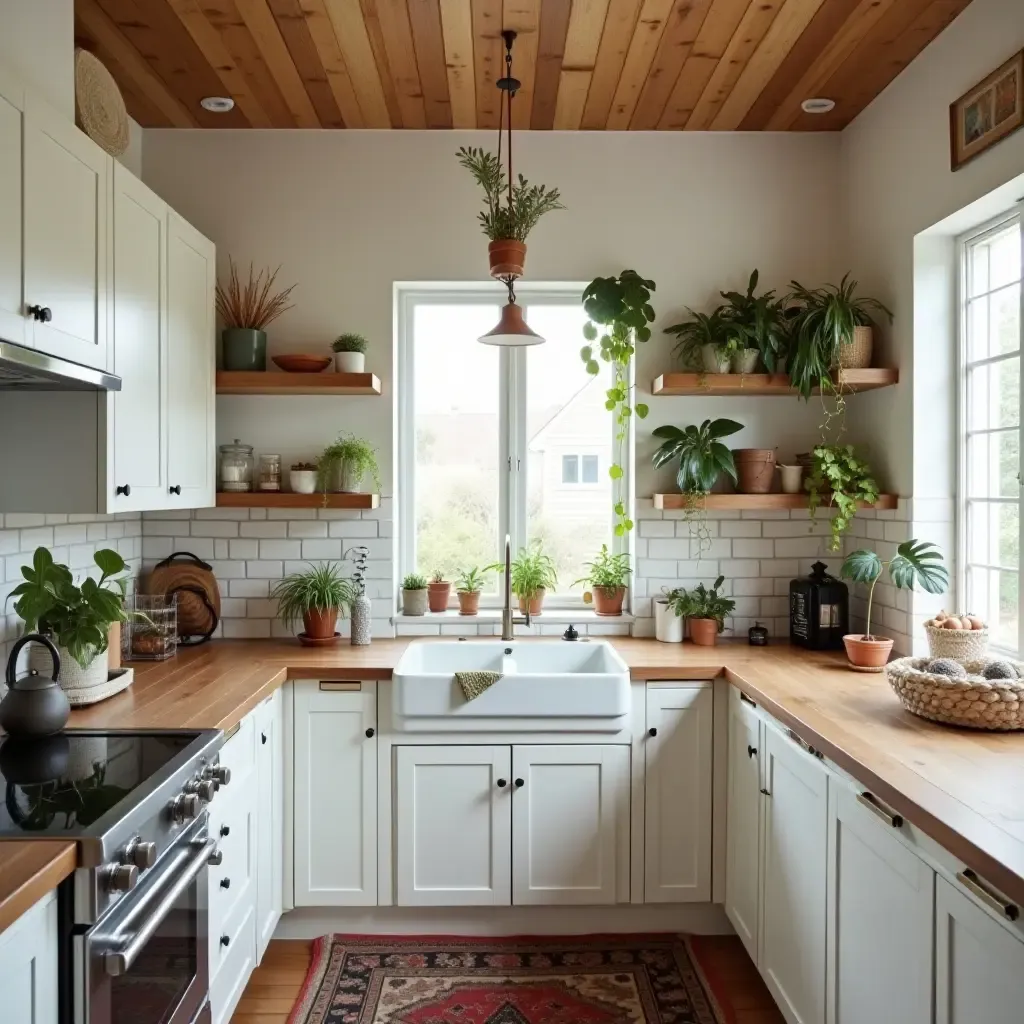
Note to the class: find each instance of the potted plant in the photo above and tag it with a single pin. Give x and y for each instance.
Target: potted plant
(246, 311)
(608, 575)
(668, 616)
(763, 326)
(468, 585)
(839, 478)
(533, 574)
(833, 327)
(344, 464)
(707, 340)
(302, 477)
(317, 596)
(438, 591)
(77, 618)
(349, 353)
(700, 453)
(507, 226)
(915, 561)
(705, 611)
(414, 594)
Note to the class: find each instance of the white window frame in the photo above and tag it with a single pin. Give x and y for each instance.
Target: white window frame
(512, 498)
(965, 243)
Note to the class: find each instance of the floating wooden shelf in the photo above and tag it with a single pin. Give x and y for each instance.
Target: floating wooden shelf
(286, 499)
(271, 382)
(756, 502)
(735, 384)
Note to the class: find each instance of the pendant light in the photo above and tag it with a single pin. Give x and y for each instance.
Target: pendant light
(512, 330)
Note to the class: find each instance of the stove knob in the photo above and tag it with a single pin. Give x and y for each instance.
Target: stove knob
(122, 877)
(207, 790)
(185, 807)
(142, 855)
(220, 773)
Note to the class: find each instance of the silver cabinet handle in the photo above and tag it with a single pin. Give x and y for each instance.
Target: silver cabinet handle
(871, 802)
(1000, 904)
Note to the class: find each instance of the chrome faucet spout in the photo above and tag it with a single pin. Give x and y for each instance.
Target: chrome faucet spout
(508, 621)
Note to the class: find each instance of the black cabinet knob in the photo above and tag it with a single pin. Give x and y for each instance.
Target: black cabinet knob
(225, 830)
(176, 489)
(125, 490)
(225, 940)
(751, 751)
(652, 731)
(520, 783)
(41, 313)
(502, 783)
(263, 738)
(225, 883)
(370, 733)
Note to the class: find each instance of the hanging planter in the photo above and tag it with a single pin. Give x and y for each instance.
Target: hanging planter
(508, 258)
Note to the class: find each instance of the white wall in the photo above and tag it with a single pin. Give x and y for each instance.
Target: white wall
(37, 39)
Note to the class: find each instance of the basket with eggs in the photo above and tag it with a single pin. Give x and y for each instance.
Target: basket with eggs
(962, 637)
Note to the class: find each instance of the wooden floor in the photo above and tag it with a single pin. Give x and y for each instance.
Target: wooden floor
(275, 985)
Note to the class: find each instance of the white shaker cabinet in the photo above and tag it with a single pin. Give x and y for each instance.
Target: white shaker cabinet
(13, 322)
(28, 965)
(793, 878)
(677, 813)
(269, 721)
(335, 804)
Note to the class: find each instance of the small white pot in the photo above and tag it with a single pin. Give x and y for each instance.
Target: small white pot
(349, 362)
(745, 361)
(349, 478)
(302, 481)
(792, 479)
(712, 361)
(668, 627)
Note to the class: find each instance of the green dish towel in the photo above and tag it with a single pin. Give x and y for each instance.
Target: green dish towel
(474, 683)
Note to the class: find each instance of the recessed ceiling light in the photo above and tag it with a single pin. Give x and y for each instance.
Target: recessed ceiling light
(217, 104)
(818, 105)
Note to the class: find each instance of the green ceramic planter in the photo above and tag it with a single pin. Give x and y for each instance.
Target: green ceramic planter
(244, 348)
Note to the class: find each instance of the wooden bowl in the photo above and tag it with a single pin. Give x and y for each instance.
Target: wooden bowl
(302, 364)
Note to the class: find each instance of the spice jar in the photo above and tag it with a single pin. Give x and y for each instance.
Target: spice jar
(269, 476)
(236, 467)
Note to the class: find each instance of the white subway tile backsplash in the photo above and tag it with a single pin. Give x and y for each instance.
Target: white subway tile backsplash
(656, 528)
(799, 547)
(280, 548)
(746, 548)
(246, 629)
(741, 528)
(248, 588)
(353, 528)
(265, 528)
(43, 537)
(321, 549)
(307, 529)
(243, 548)
(15, 520)
(214, 528)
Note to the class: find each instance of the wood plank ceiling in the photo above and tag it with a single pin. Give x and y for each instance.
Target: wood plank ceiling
(584, 64)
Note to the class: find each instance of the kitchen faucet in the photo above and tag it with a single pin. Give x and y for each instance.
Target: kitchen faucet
(508, 621)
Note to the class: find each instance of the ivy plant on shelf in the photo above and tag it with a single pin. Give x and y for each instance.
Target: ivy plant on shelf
(619, 313)
(838, 477)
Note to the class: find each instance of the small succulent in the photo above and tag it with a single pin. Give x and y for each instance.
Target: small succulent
(414, 581)
(947, 667)
(999, 670)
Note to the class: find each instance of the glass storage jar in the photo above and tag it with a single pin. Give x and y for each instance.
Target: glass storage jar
(269, 476)
(236, 466)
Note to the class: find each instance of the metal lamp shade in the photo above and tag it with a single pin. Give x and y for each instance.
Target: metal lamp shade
(512, 330)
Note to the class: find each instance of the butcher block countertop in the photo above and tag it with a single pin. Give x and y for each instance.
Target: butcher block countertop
(965, 789)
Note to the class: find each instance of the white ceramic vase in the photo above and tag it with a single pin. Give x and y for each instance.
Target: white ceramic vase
(349, 478)
(713, 361)
(668, 627)
(302, 481)
(745, 361)
(792, 479)
(349, 362)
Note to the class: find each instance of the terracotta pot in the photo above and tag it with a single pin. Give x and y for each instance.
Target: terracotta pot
(469, 602)
(532, 605)
(755, 468)
(320, 623)
(870, 655)
(608, 600)
(437, 596)
(508, 257)
(704, 632)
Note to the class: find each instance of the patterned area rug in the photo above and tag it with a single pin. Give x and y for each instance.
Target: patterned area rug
(623, 979)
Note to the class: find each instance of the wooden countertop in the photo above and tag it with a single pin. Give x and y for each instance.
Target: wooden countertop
(29, 869)
(963, 788)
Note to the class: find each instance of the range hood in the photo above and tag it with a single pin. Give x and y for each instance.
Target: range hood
(25, 369)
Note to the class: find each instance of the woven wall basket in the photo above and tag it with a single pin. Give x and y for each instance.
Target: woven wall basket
(974, 703)
(99, 105)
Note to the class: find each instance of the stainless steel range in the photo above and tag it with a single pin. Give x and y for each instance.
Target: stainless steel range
(134, 914)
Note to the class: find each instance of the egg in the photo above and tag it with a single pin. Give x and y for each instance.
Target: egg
(952, 623)
(975, 622)
(931, 622)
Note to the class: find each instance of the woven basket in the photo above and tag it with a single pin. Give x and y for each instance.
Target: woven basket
(99, 105)
(974, 703)
(958, 644)
(857, 354)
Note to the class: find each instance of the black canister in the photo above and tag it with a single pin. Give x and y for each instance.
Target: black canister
(818, 610)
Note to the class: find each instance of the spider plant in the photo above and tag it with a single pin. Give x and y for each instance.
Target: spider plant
(319, 589)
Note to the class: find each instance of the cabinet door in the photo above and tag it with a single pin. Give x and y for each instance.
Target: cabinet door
(793, 878)
(880, 917)
(28, 965)
(139, 416)
(453, 826)
(190, 365)
(335, 796)
(979, 964)
(269, 821)
(12, 309)
(743, 842)
(570, 824)
(677, 819)
(66, 223)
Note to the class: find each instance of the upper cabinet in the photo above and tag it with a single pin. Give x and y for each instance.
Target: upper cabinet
(12, 319)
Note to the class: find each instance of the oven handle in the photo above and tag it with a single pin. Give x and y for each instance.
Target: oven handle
(119, 961)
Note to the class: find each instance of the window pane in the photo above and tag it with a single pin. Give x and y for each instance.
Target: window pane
(570, 469)
(994, 596)
(456, 396)
(993, 462)
(1004, 314)
(977, 329)
(994, 533)
(994, 395)
(590, 463)
(565, 414)
(1004, 258)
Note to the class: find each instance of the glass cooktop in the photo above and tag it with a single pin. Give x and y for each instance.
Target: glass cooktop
(61, 785)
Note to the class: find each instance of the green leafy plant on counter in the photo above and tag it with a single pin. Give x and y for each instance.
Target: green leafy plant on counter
(414, 581)
(470, 581)
(915, 561)
(608, 570)
(839, 478)
(701, 603)
(350, 343)
(619, 313)
(319, 588)
(716, 329)
(762, 322)
(359, 457)
(532, 571)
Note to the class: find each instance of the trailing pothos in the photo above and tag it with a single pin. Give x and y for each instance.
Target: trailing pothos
(839, 478)
(619, 311)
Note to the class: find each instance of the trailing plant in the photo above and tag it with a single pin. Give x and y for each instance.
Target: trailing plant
(470, 581)
(839, 478)
(701, 603)
(618, 312)
(359, 556)
(527, 204)
(414, 581)
(716, 328)
(915, 561)
(761, 321)
(255, 304)
(607, 571)
(350, 343)
(531, 571)
(78, 617)
(319, 588)
(354, 451)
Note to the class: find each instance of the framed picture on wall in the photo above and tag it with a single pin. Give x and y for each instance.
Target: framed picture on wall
(990, 111)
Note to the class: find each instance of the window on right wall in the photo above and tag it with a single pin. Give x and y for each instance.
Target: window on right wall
(991, 418)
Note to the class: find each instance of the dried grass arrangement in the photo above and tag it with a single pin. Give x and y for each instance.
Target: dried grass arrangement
(254, 305)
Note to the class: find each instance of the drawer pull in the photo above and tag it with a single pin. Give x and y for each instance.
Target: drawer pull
(263, 738)
(176, 489)
(125, 489)
(652, 731)
(370, 733)
(225, 830)
(751, 751)
(520, 783)
(764, 792)
(225, 940)
(870, 801)
(225, 883)
(747, 700)
(970, 881)
(502, 783)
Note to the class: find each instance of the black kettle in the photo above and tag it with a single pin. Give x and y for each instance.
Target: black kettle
(34, 705)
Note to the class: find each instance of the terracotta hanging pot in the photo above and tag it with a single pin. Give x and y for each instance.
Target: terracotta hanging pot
(508, 257)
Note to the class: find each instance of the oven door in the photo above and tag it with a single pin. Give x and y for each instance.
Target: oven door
(147, 961)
